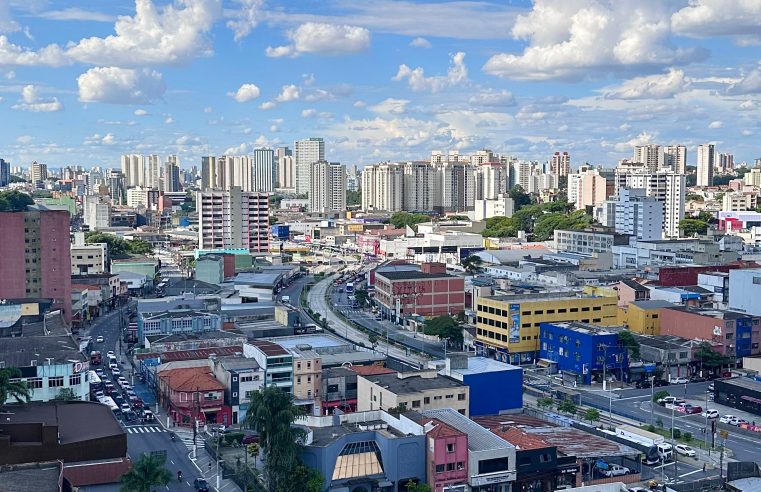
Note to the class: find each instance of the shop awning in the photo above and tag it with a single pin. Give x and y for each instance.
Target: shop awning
(211, 410)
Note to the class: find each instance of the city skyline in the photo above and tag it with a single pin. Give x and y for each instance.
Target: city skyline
(521, 79)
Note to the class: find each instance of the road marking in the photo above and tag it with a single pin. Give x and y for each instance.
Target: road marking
(690, 473)
(172, 462)
(661, 466)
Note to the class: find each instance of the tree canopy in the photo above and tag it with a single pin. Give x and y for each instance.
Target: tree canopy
(693, 227)
(146, 472)
(630, 343)
(353, 197)
(540, 220)
(403, 219)
(446, 328)
(519, 196)
(118, 246)
(14, 201)
(12, 387)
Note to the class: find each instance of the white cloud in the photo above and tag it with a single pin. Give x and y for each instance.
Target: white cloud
(15, 55)
(747, 105)
(491, 97)
(173, 34)
(319, 95)
(746, 133)
(188, 140)
(120, 85)
(267, 105)
(31, 101)
(24, 139)
(662, 86)
(390, 106)
(169, 120)
(420, 43)
(288, 93)
(208, 109)
(706, 18)
(140, 112)
(98, 139)
(76, 14)
(359, 104)
(243, 148)
(323, 39)
(749, 84)
(457, 74)
(573, 39)
(245, 93)
(108, 139)
(716, 125)
(246, 18)
(643, 138)
(308, 113)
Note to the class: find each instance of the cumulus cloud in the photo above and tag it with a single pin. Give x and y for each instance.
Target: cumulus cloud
(120, 85)
(662, 86)
(140, 112)
(288, 93)
(704, 18)
(98, 139)
(491, 97)
(750, 84)
(420, 43)
(747, 105)
(323, 39)
(308, 113)
(643, 138)
(267, 105)
(245, 93)
(76, 14)
(573, 39)
(173, 34)
(457, 74)
(390, 106)
(24, 139)
(716, 125)
(245, 18)
(15, 55)
(31, 101)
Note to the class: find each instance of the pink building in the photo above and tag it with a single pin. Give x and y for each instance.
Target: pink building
(446, 455)
(592, 189)
(430, 292)
(630, 290)
(35, 257)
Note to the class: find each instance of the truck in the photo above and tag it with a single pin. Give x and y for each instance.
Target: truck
(96, 358)
(285, 299)
(656, 443)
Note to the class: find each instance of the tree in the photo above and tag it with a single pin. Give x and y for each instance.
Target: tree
(66, 394)
(303, 479)
(567, 406)
(545, 402)
(272, 414)
(693, 227)
(500, 227)
(146, 472)
(546, 224)
(520, 197)
(403, 219)
(14, 201)
(626, 337)
(353, 197)
(12, 387)
(373, 339)
(660, 395)
(707, 217)
(362, 297)
(253, 451)
(592, 414)
(417, 487)
(472, 263)
(693, 197)
(709, 358)
(118, 246)
(446, 328)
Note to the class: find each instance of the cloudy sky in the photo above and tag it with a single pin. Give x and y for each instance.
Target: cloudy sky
(82, 82)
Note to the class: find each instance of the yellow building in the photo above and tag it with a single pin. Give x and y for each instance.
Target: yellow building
(601, 290)
(643, 317)
(508, 326)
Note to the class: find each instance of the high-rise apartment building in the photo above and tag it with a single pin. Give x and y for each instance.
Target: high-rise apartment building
(5, 173)
(352, 178)
(706, 164)
(97, 212)
(383, 187)
(264, 170)
(36, 259)
(38, 174)
(490, 180)
(675, 157)
(133, 169)
(560, 165)
(667, 187)
(209, 173)
(482, 157)
(327, 187)
(306, 153)
(171, 179)
(153, 171)
(233, 219)
(116, 187)
(587, 188)
(286, 172)
(725, 163)
(419, 186)
(637, 214)
(652, 156)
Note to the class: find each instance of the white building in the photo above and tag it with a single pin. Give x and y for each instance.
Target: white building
(587, 188)
(666, 186)
(382, 187)
(88, 259)
(652, 156)
(264, 170)
(638, 215)
(560, 164)
(233, 219)
(133, 168)
(327, 187)
(97, 212)
(502, 206)
(491, 180)
(306, 153)
(706, 164)
(153, 171)
(745, 290)
(675, 157)
(38, 173)
(419, 186)
(738, 201)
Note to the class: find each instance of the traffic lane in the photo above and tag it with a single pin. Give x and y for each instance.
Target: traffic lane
(176, 457)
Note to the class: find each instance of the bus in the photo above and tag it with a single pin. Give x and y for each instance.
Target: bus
(107, 400)
(349, 288)
(95, 382)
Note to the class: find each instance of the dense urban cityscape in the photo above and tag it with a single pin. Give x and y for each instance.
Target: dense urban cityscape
(376, 303)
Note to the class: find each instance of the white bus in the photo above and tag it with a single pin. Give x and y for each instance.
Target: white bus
(107, 400)
(94, 380)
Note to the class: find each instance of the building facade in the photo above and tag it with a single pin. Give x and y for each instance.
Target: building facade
(306, 153)
(327, 187)
(233, 219)
(706, 164)
(418, 391)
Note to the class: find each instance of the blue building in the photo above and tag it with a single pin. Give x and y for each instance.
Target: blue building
(281, 232)
(368, 451)
(581, 350)
(494, 386)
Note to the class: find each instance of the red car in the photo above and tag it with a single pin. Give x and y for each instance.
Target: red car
(689, 409)
(136, 402)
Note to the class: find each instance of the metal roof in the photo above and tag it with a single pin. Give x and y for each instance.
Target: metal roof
(479, 439)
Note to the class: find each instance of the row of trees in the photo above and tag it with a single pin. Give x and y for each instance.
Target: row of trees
(539, 220)
(14, 201)
(118, 246)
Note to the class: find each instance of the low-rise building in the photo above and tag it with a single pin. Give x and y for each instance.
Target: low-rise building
(241, 376)
(643, 317)
(141, 265)
(416, 391)
(176, 321)
(275, 361)
(89, 259)
(745, 291)
(669, 353)
(191, 394)
(587, 241)
(446, 456)
(629, 290)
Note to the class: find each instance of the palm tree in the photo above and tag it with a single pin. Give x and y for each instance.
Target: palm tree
(145, 473)
(11, 386)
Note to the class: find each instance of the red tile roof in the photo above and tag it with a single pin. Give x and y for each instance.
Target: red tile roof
(202, 353)
(522, 440)
(442, 430)
(191, 379)
(371, 370)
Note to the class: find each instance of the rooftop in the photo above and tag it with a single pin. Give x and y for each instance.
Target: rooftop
(479, 439)
(584, 328)
(57, 349)
(371, 370)
(201, 335)
(713, 313)
(412, 275)
(634, 285)
(413, 383)
(744, 383)
(540, 296)
(77, 421)
(481, 365)
(269, 348)
(203, 353)
(32, 477)
(521, 439)
(191, 379)
(656, 304)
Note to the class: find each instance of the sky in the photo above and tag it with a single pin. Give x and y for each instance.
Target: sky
(82, 82)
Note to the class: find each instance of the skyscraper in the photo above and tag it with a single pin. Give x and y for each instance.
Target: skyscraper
(171, 179)
(233, 219)
(382, 187)
(560, 164)
(153, 171)
(284, 177)
(706, 164)
(264, 170)
(638, 215)
(38, 174)
(116, 187)
(725, 163)
(306, 153)
(5, 173)
(675, 157)
(652, 156)
(666, 186)
(327, 187)
(133, 169)
(209, 173)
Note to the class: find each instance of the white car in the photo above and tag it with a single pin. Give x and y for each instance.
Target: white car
(681, 380)
(110, 354)
(125, 407)
(711, 413)
(115, 371)
(99, 340)
(616, 471)
(685, 450)
(725, 419)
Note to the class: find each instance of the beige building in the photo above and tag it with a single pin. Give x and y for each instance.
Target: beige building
(739, 201)
(88, 259)
(424, 390)
(307, 372)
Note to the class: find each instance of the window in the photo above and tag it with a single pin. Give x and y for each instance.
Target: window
(550, 311)
(439, 468)
(415, 403)
(56, 382)
(539, 312)
(544, 458)
(450, 447)
(75, 380)
(461, 397)
(562, 310)
(449, 397)
(450, 466)
(597, 308)
(427, 400)
(757, 280)
(437, 398)
(34, 383)
(574, 310)
(584, 309)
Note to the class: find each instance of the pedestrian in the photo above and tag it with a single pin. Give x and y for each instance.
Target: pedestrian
(210, 466)
(704, 467)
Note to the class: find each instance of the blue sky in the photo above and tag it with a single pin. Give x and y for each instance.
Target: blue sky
(83, 82)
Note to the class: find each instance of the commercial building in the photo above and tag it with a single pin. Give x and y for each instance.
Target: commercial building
(507, 327)
(643, 317)
(745, 291)
(706, 164)
(275, 361)
(538, 467)
(306, 153)
(739, 221)
(666, 186)
(88, 258)
(581, 351)
(233, 219)
(588, 241)
(36, 256)
(430, 292)
(740, 393)
(416, 391)
(446, 456)
(327, 187)
(191, 394)
(241, 377)
(176, 322)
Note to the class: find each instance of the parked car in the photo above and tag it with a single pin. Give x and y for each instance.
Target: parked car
(99, 340)
(737, 421)
(110, 354)
(698, 379)
(725, 419)
(692, 409)
(200, 485)
(250, 437)
(670, 400)
(685, 450)
(710, 413)
(710, 387)
(125, 407)
(615, 470)
(147, 415)
(680, 380)
(660, 382)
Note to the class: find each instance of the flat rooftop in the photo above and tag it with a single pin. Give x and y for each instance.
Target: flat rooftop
(77, 421)
(413, 383)
(481, 365)
(269, 348)
(21, 351)
(540, 296)
(314, 340)
(743, 382)
(412, 275)
(583, 328)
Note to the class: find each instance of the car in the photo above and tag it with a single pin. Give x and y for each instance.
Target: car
(710, 387)
(131, 393)
(118, 399)
(124, 407)
(615, 470)
(147, 415)
(200, 485)
(99, 340)
(710, 413)
(129, 416)
(725, 419)
(99, 372)
(680, 380)
(737, 421)
(670, 400)
(250, 437)
(110, 354)
(692, 409)
(99, 394)
(115, 371)
(660, 382)
(685, 450)
(698, 379)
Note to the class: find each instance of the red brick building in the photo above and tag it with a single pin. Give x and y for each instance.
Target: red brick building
(430, 292)
(35, 256)
(194, 393)
(678, 276)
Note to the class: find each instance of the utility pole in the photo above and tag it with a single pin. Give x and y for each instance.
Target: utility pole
(673, 443)
(217, 459)
(652, 397)
(705, 431)
(196, 404)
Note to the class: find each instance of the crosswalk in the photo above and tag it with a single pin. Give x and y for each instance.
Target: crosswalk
(143, 429)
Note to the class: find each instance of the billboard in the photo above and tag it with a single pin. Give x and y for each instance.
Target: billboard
(515, 323)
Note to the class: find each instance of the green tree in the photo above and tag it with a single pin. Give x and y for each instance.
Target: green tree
(403, 219)
(660, 395)
(545, 402)
(146, 472)
(546, 224)
(17, 179)
(500, 227)
(362, 297)
(353, 197)
(626, 338)
(520, 197)
(272, 414)
(567, 406)
(12, 387)
(592, 414)
(693, 227)
(275, 201)
(693, 197)
(253, 451)
(66, 394)
(118, 246)
(472, 263)
(373, 339)
(303, 479)
(417, 487)
(707, 217)
(709, 358)
(446, 328)
(14, 201)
